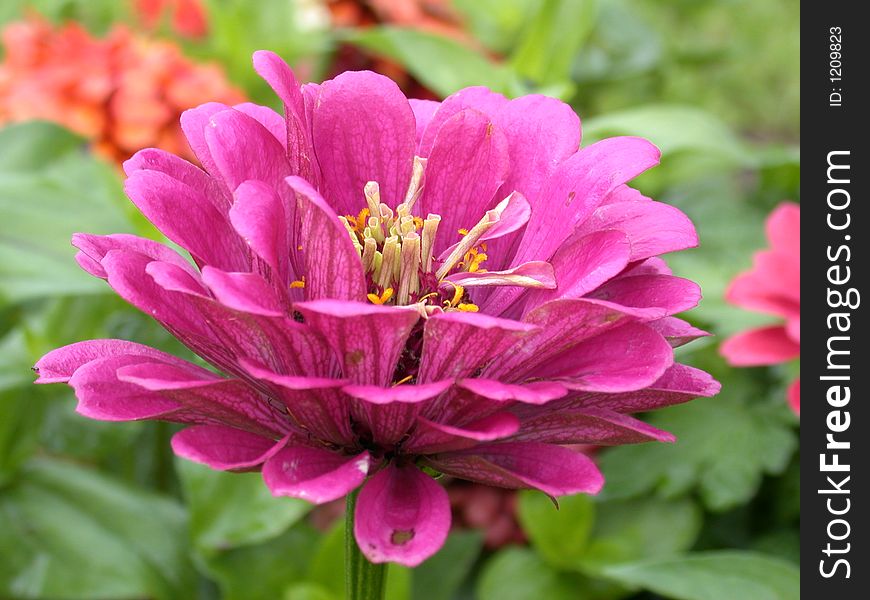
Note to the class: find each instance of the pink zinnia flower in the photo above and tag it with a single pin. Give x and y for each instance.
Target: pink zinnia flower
(388, 284)
(772, 286)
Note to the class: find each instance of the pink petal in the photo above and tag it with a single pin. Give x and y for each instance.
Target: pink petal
(655, 296)
(794, 396)
(247, 292)
(316, 404)
(583, 264)
(367, 339)
(243, 149)
(333, 268)
(653, 228)
(536, 274)
(430, 437)
(457, 344)
(480, 99)
(752, 290)
(554, 470)
(200, 228)
(389, 413)
(542, 132)
(364, 130)
(784, 228)
(677, 331)
(424, 110)
(402, 515)
(562, 324)
(313, 474)
(537, 392)
(194, 123)
(628, 358)
(93, 248)
(680, 383)
(59, 365)
(154, 159)
(756, 347)
(468, 164)
(268, 118)
(586, 426)
(224, 448)
(264, 221)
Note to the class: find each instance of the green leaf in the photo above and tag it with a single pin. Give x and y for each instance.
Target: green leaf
(66, 532)
(308, 591)
(521, 574)
(559, 535)
(643, 528)
(441, 64)
(228, 510)
(496, 23)
(721, 575)
(50, 188)
(263, 571)
(674, 129)
(440, 577)
(724, 446)
(553, 38)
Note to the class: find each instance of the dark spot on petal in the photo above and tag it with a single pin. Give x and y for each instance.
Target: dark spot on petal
(400, 537)
(570, 198)
(353, 358)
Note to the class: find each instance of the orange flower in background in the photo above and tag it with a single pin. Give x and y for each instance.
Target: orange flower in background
(186, 17)
(123, 91)
(432, 16)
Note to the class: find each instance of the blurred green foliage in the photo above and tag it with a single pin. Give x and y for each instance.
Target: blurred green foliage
(95, 510)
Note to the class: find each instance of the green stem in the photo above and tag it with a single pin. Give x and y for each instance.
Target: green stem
(363, 580)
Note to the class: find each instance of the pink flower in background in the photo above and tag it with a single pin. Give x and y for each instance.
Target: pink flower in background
(772, 286)
(382, 285)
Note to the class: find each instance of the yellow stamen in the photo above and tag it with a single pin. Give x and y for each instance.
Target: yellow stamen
(404, 380)
(463, 231)
(298, 284)
(468, 307)
(458, 292)
(383, 298)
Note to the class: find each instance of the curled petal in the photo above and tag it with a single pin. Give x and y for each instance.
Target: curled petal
(224, 448)
(314, 474)
(59, 365)
(430, 437)
(586, 426)
(554, 470)
(536, 274)
(402, 515)
(537, 392)
(757, 347)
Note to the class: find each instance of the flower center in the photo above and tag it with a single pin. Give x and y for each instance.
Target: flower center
(397, 252)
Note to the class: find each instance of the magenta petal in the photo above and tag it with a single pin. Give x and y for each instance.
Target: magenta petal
(576, 189)
(247, 292)
(268, 118)
(316, 404)
(406, 394)
(752, 291)
(677, 331)
(542, 132)
(457, 344)
(93, 249)
(478, 98)
(364, 130)
(653, 228)
(783, 228)
(430, 437)
(314, 474)
(200, 227)
(561, 325)
(587, 426)
(261, 218)
(628, 358)
(154, 159)
(224, 448)
(332, 265)
(554, 470)
(757, 347)
(59, 365)
(242, 149)
(536, 274)
(424, 110)
(656, 296)
(678, 384)
(468, 164)
(194, 122)
(280, 78)
(537, 392)
(402, 515)
(367, 339)
(583, 264)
